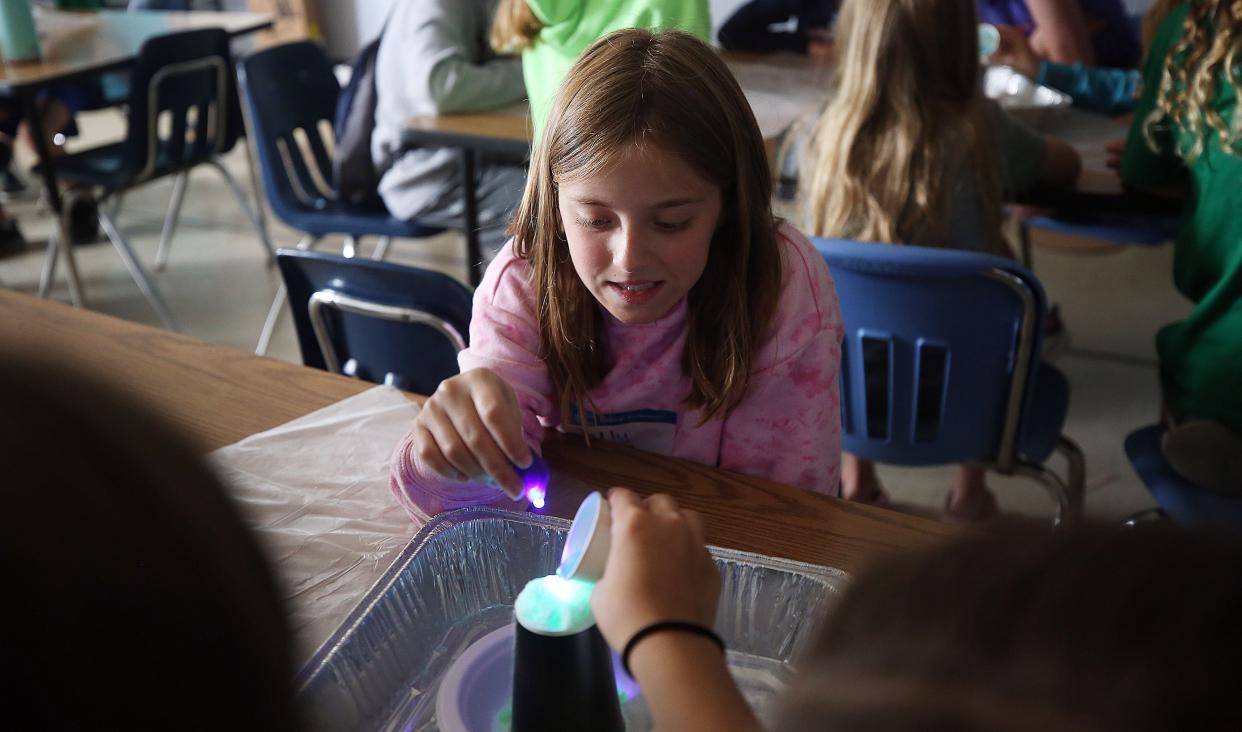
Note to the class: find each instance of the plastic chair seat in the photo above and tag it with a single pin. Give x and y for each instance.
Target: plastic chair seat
(105, 166)
(1128, 229)
(1182, 501)
(327, 217)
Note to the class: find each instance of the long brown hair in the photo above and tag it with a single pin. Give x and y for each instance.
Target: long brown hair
(906, 107)
(1205, 56)
(515, 26)
(1024, 629)
(667, 90)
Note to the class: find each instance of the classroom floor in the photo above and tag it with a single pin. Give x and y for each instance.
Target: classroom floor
(219, 289)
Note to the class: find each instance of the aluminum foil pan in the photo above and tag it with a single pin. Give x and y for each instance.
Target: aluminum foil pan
(456, 582)
(1034, 104)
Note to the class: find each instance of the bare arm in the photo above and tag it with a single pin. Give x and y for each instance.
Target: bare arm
(1061, 32)
(1061, 164)
(659, 569)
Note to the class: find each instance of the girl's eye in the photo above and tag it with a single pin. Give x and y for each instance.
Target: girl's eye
(592, 223)
(672, 226)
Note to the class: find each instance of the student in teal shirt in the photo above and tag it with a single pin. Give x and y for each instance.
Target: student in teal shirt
(551, 33)
(1183, 140)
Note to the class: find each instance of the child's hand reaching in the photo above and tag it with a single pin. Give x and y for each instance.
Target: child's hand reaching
(658, 568)
(471, 427)
(1015, 51)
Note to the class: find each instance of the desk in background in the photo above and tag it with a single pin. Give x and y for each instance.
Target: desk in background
(77, 46)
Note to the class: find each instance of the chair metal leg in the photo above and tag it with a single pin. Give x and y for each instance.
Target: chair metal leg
(49, 264)
(1076, 472)
(1024, 239)
(170, 220)
(136, 271)
(1065, 514)
(116, 206)
(350, 250)
(260, 216)
(243, 200)
(1146, 516)
(278, 303)
(381, 248)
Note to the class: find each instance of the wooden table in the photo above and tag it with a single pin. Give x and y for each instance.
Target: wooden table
(77, 46)
(219, 395)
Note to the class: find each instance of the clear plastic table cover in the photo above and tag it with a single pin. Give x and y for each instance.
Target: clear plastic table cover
(456, 581)
(315, 492)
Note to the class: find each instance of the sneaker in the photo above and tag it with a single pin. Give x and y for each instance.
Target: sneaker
(81, 216)
(1207, 454)
(12, 243)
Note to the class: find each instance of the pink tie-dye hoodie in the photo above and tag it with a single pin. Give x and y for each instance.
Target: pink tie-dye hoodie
(787, 428)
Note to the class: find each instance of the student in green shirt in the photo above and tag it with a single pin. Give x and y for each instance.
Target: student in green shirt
(552, 33)
(1186, 136)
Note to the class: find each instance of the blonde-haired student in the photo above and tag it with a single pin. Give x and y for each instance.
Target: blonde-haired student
(1187, 135)
(909, 151)
(552, 33)
(648, 295)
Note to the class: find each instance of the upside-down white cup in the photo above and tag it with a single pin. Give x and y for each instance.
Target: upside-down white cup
(589, 540)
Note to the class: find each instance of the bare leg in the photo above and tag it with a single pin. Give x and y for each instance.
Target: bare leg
(859, 481)
(970, 499)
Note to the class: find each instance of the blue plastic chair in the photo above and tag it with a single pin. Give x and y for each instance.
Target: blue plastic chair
(1178, 499)
(377, 321)
(941, 365)
(1121, 229)
(186, 78)
(290, 94)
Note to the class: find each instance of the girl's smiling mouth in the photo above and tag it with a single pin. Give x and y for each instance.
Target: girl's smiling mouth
(635, 292)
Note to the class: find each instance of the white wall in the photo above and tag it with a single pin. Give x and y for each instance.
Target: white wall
(348, 24)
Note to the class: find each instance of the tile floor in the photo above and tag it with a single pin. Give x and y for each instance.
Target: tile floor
(219, 288)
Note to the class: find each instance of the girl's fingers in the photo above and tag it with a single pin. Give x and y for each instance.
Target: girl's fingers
(484, 452)
(622, 501)
(453, 447)
(662, 503)
(503, 421)
(430, 456)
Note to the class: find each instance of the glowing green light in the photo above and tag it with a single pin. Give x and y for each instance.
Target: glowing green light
(555, 606)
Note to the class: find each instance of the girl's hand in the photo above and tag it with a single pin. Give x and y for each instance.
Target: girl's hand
(658, 568)
(1015, 51)
(471, 427)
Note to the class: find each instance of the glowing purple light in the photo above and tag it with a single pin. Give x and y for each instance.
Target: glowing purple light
(535, 478)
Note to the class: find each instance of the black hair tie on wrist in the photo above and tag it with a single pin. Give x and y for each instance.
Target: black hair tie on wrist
(684, 626)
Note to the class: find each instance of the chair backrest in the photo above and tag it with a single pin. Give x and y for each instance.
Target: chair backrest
(940, 348)
(377, 321)
(290, 95)
(183, 105)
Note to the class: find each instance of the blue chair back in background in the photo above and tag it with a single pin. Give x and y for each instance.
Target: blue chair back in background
(941, 364)
(290, 93)
(377, 321)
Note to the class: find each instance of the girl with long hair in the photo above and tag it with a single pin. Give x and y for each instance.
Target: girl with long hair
(909, 151)
(648, 295)
(1187, 136)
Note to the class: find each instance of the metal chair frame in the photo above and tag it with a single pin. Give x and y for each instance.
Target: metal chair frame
(330, 299)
